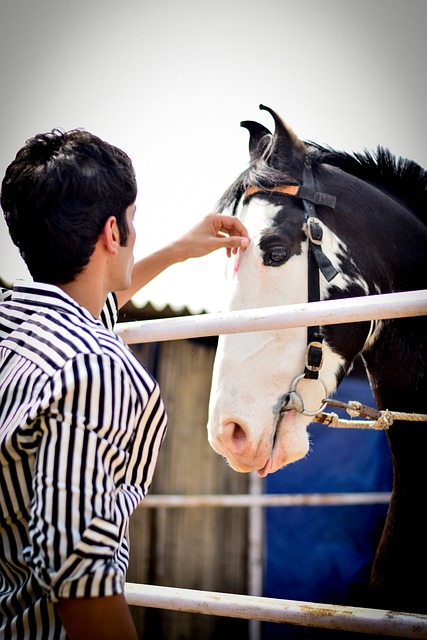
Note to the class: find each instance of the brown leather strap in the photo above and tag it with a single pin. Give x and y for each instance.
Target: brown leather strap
(290, 189)
(306, 194)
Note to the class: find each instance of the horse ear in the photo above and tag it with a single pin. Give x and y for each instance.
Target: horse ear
(257, 133)
(287, 149)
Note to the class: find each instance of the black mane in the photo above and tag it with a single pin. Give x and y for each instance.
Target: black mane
(402, 179)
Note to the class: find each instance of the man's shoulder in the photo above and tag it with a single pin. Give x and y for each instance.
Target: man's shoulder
(53, 337)
(50, 337)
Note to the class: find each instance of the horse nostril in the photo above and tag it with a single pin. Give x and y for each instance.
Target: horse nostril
(238, 434)
(233, 436)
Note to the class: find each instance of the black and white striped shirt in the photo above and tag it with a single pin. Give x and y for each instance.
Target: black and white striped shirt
(81, 424)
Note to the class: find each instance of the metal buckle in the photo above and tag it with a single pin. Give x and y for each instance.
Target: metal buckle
(314, 230)
(309, 365)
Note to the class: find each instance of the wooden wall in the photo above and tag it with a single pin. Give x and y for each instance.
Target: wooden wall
(190, 547)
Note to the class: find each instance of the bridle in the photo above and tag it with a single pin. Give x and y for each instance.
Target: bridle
(318, 263)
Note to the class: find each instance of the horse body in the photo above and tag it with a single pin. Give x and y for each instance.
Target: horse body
(369, 213)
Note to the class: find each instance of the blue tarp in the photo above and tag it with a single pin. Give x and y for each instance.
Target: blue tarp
(324, 554)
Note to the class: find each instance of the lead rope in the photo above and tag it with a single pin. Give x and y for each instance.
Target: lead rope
(382, 420)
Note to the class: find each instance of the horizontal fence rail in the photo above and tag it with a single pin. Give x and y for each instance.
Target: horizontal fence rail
(325, 616)
(266, 500)
(364, 308)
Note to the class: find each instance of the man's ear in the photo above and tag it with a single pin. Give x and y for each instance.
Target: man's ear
(110, 235)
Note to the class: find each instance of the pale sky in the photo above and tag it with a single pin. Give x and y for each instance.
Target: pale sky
(169, 82)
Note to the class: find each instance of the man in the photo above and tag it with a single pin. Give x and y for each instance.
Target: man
(81, 420)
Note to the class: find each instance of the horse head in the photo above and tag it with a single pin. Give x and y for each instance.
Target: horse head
(300, 209)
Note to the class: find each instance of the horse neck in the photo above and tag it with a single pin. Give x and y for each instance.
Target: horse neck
(385, 241)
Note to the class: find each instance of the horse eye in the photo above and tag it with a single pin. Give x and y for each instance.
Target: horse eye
(275, 257)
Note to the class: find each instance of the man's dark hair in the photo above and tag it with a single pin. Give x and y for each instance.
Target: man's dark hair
(57, 195)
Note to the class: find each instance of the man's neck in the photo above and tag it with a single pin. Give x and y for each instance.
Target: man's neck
(88, 295)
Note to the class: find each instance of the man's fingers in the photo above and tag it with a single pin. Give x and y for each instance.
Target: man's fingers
(230, 225)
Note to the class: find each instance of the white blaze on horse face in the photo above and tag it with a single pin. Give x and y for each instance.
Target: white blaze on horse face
(253, 371)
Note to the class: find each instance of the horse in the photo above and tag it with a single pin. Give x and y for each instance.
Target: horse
(327, 224)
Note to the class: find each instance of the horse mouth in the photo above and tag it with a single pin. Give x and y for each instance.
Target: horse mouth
(289, 403)
(262, 473)
(289, 443)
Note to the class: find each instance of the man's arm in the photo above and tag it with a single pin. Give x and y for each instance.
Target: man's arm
(97, 618)
(213, 232)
